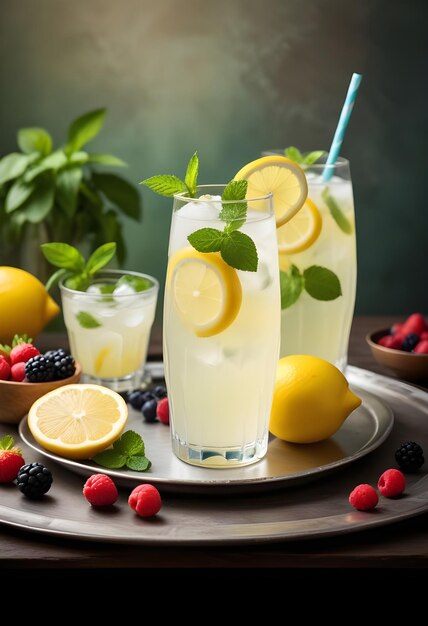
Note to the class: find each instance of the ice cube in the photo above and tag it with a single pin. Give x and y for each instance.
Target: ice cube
(124, 289)
(202, 210)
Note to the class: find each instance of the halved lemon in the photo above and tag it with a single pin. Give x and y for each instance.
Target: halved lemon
(78, 421)
(206, 291)
(301, 231)
(280, 176)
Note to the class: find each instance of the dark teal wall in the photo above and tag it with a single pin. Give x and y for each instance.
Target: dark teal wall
(231, 78)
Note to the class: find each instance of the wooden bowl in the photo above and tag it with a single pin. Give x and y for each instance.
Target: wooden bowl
(17, 398)
(407, 365)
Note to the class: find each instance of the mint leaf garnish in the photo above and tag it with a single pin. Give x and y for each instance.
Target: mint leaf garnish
(165, 185)
(86, 320)
(321, 283)
(136, 282)
(294, 154)
(78, 282)
(107, 289)
(239, 251)
(127, 450)
(336, 212)
(64, 256)
(191, 178)
(312, 157)
(234, 214)
(206, 239)
(100, 257)
(291, 284)
(305, 159)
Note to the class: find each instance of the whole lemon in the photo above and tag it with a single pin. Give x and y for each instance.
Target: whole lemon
(25, 305)
(311, 400)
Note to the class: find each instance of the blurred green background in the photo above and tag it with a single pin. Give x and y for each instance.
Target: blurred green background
(231, 78)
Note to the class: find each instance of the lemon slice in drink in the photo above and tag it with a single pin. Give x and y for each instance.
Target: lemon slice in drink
(78, 421)
(301, 231)
(280, 176)
(206, 291)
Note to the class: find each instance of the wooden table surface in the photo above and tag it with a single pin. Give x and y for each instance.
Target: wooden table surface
(404, 544)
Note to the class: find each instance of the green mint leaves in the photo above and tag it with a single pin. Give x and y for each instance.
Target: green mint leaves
(336, 212)
(236, 248)
(128, 450)
(319, 282)
(72, 266)
(86, 320)
(304, 159)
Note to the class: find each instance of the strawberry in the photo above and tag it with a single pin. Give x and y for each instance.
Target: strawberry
(391, 341)
(4, 368)
(424, 335)
(17, 372)
(22, 352)
(415, 323)
(396, 329)
(11, 460)
(421, 347)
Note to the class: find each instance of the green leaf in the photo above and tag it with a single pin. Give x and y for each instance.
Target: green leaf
(55, 278)
(78, 282)
(63, 255)
(321, 283)
(234, 214)
(206, 239)
(129, 444)
(239, 251)
(67, 189)
(165, 185)
(86, 320)
(18, 194)
(106, 159)
(110, 458)
(7, 443)
(291, 284)
(79, 158)
(121, 193)
(138, 283)
(336, 212)
(191, 178)
(34, 140)
(84, 128)
(12, 166)
(101, 257)
(294, 154)
(235, 190)
(40, 203)
(138, 463)
(54, 161)
(312, 157)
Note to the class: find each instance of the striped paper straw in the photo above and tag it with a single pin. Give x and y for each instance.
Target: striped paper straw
(342, 126)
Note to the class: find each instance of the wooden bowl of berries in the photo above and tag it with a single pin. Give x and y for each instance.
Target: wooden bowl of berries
(26, 375)
(403, 348)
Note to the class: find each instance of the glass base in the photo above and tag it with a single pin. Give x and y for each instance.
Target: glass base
(137, 380)
(219, 458)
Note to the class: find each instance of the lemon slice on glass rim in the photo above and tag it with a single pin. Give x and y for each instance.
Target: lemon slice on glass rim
(206, 291)
(283, 178)
(78, 421)
(299, 233)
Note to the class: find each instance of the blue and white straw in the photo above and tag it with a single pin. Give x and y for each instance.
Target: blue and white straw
(341, 126)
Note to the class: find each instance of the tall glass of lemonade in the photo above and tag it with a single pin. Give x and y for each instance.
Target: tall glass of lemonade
(221, 327)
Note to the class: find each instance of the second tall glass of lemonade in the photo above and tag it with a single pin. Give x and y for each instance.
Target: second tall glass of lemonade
(221, 335)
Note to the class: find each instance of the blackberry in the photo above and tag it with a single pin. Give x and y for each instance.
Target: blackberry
(409, 342)
(39, 369)
(34, 480)
(149, 410)
(410, 456)
(160, 392)
(63, 363)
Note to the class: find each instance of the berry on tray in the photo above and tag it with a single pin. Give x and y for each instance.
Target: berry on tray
(162, 411)
(64, 365)
(17, 372)
(149, 410)
(421, 347)
(409, 336)
(34, 480)
(391, 483)
(410, 456)
(11, 460)
(363, 498)
(160, 392)
(135, 399)
(410, 341)
(415, 323)
(39, 369)
(22, 352)
(100, 490)
(145, 500)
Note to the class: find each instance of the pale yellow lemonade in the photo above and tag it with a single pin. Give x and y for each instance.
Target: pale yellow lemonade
(322, 327)
(109, 332)
(220, 385)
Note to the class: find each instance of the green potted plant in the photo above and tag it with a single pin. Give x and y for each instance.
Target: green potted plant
(49, 194)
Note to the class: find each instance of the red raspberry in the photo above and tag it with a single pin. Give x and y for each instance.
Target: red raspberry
(4, 368)
(11, 460)
(392, 483)
(424, 335)
(22, 352)
(421, 347)
(100, 490)
(145, 500)
(415, 323)
(391, 341)
(17, 372)
(363, 498)
(162, 411)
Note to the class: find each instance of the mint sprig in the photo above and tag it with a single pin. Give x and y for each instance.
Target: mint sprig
(237, 249)
(72, 268)
(128, 450)
(336, 212)
(319, 282)
(304, 159)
